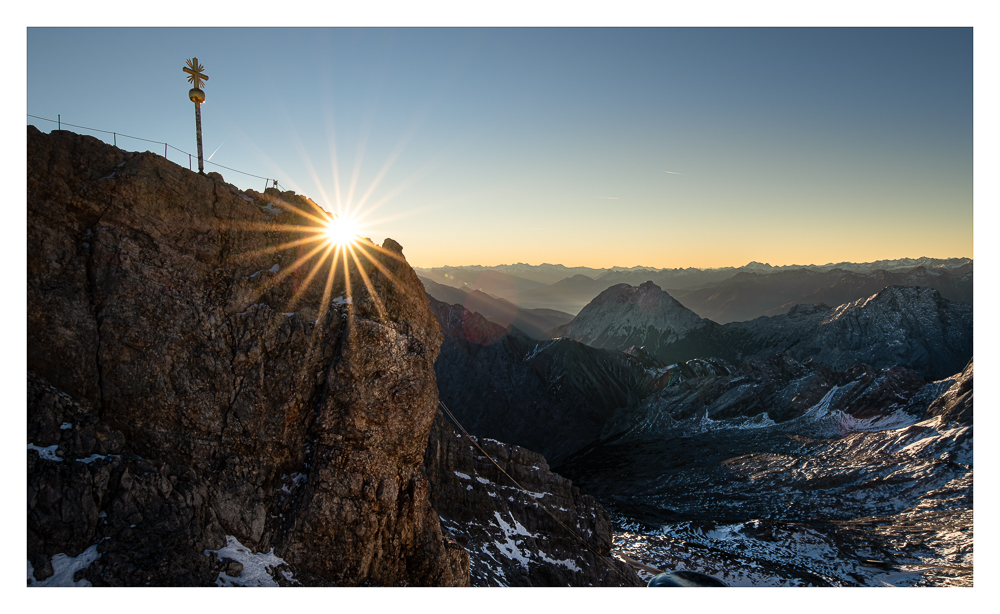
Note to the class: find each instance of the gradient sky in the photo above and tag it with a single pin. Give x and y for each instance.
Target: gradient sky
(587, 147)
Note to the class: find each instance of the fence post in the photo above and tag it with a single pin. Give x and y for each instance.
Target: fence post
(116, 138)
(59, 119)
(189, 162)
(164, 150)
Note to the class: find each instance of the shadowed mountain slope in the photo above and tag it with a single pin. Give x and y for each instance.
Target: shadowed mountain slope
(548, 396)
(532, 322)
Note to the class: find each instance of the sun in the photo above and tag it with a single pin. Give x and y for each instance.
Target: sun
(325, 241)
(342, 231)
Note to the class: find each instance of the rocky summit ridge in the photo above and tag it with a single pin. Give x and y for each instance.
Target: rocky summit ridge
(202, 384)
(898, 325)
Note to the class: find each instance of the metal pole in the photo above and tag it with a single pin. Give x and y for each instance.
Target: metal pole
(59, 117)
(197, 120)
(164, 150)
(189, 161)
(116, 138)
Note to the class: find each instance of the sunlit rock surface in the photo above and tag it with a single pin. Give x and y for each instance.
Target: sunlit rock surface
(189, 383)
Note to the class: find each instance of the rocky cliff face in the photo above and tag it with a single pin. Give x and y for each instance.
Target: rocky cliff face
(905, 326)
(197, 377)
(909, 326)
(511, 540)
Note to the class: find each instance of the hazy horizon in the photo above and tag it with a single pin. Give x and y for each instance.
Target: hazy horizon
(734, 266)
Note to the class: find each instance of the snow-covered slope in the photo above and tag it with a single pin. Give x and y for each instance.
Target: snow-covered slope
(871, 483)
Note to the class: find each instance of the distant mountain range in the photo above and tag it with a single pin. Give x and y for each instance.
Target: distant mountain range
(747, 295)
(909, 326)
(497, 283)
(728, 294)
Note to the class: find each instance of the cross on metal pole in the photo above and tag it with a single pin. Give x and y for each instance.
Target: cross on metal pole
(197, 96)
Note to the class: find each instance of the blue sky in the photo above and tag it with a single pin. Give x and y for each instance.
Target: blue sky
(599, 147)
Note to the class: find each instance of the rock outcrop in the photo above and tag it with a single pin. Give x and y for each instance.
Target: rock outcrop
(509, 533)
(199, 370)
(955, 404)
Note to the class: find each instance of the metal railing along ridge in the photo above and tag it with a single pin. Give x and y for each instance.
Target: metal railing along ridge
(166, 145)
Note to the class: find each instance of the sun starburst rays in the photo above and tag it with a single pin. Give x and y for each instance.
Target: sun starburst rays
(251, 255)
(310, 242)
(292, 302)
(368, 284)
(324, 303)
(329, 263)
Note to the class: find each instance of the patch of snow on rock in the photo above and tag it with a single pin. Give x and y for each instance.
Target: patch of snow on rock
(256, 565)
(64, 567)
(48, 452)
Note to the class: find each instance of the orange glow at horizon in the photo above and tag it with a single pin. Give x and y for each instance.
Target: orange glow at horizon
(692, 245)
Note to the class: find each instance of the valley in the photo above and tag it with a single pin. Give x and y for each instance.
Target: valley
(821, 447)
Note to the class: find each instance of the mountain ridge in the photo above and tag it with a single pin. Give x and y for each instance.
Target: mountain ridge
(725, 294)
(533, 322)
(899, 325)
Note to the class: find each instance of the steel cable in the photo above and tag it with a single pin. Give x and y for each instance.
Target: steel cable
(138, 138)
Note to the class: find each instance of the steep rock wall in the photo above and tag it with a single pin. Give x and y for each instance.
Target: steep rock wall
(518, 538)
(171, 309)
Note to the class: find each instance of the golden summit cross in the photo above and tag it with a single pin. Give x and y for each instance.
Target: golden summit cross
(195, 74)
(197, 96)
